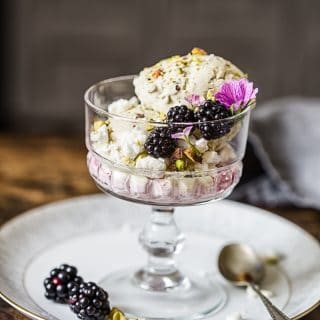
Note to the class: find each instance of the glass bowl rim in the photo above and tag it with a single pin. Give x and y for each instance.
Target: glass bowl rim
(153, 122)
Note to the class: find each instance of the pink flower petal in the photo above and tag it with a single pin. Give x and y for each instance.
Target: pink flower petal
(187, 130)
(236, 93)
(194, 99)
(180, 135)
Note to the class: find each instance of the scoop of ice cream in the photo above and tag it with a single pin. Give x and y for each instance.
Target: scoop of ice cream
(171, 80)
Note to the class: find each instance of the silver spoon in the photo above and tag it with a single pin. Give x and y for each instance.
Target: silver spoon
(239, 264)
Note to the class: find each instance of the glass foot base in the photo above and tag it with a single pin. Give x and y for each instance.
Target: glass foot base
(153, 282)
(197, 300)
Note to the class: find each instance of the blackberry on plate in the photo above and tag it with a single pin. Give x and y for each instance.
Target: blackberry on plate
(57, 284)
(179, 114)
(211, 111)
(159, 143)
(88, 301)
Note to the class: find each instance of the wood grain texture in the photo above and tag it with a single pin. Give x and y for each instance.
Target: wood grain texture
(37, 170)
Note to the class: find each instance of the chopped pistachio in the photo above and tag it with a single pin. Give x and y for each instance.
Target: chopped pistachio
(116, 314)
(198, 51)
(271, 260)
(273, 257)
(196, 59)
(180, 71)
(128, 161)
(189, 154)
(97, 124)
(162, 116)
(149, 127)
(139, 115)
(180, 164)
(210, 95)
(174, 58)
(140, 155)
(177, 154)
(157, 73)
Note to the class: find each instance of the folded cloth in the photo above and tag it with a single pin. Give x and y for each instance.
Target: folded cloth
(285, 134)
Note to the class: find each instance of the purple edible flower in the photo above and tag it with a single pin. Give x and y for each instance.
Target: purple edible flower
(180, 135)
(194, 99)
(236, 94)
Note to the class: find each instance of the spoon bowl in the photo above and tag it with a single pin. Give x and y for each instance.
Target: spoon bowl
(239, 264)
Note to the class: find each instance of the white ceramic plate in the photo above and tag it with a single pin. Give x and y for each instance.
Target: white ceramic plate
(98, 234)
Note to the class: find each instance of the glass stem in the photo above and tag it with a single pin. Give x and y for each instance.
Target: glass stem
(162, 239)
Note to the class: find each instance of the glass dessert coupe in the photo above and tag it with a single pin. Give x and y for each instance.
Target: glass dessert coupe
(159, 290)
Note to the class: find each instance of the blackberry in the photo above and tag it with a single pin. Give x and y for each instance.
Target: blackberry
(56, 285)
(88, 301)
(210, 111)
(159, 143)
(179, 114)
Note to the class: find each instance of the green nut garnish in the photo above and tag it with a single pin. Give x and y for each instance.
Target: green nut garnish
(116, 314)
(180, 165)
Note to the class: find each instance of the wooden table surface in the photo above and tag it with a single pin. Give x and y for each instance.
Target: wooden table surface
(38, 170)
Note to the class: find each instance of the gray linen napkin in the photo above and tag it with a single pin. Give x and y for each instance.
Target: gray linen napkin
(285, 134)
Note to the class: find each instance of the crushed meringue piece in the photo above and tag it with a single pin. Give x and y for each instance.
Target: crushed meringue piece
(211, 157)
(272, 257)
(100, 135)
(202, 145)
(201, 166)
(252, 294)
(131, 143)
(122, 105)
(227, 154)
(235, 316)
(151, 163)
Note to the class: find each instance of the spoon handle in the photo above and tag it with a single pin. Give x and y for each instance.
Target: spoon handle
(274, 312)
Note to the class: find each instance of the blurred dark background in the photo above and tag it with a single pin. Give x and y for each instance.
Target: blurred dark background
(53, 50)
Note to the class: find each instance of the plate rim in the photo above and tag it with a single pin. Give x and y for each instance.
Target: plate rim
(34, 210)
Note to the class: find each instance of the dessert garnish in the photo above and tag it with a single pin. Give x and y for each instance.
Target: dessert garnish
(183, 134)
(57, 285)
(198, 51)
(235, 95)
(156, 73)
(160, 143)
(89, 302)
(194, 99)
(207, 114)
(116, 314)
(86, 299)
(179, 114)
(180, 164)
(235, 316)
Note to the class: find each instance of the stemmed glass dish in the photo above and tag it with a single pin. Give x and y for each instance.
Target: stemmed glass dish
(159, 290)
